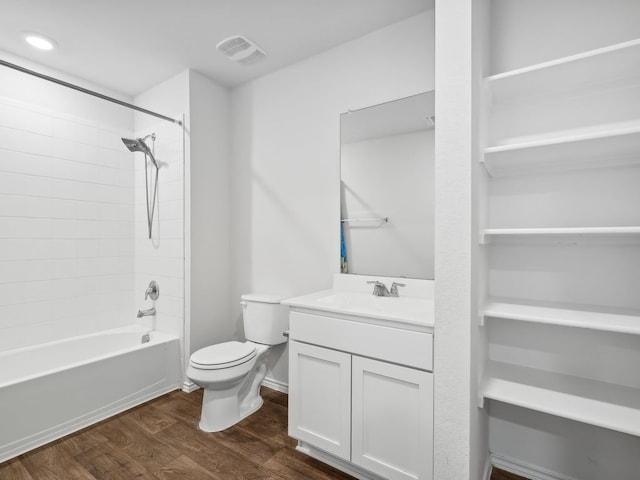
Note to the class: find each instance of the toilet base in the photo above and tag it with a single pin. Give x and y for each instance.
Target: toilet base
(217, 424)
(224, 407)
(221, 410)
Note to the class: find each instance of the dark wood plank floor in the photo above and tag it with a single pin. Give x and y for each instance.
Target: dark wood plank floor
(161, 440)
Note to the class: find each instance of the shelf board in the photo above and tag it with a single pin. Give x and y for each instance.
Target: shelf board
(609, 146)
(578, 316)
(602, 65)
(593, 402)
(488, 234)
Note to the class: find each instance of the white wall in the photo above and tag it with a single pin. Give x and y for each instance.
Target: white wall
(285, 174)
(389, 177)
(209, 179)
(460, 427)
(66, 211)
(526, 33)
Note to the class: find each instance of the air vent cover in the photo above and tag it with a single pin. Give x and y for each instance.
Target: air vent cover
(240, 49)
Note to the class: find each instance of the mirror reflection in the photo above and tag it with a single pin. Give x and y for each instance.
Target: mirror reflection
(387, 188)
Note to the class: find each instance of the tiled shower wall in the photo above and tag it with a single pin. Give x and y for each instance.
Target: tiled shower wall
(66, 226)
(161, 258)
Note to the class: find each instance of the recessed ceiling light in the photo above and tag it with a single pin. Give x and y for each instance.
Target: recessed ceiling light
(39, 41)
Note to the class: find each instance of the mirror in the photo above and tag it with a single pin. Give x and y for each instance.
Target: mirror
(387, 188)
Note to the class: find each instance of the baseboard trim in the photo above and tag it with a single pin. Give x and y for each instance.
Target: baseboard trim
(336, 462)
(188, 386)
(526, 470)
(487, 468)
(276, 385)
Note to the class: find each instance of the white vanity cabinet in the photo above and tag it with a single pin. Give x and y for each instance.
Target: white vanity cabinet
(320, 398)
(361, 395)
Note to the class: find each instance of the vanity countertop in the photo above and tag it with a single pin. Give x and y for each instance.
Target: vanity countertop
(405, 311)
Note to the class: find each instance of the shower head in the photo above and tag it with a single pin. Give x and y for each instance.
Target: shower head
(139, 145)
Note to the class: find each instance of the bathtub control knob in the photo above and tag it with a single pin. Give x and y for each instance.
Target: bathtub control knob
(153, 291)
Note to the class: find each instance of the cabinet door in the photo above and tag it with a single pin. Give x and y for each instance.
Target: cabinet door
(320, 398)
(392, 420)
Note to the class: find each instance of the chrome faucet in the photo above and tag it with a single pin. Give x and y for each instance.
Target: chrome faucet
(153, 291)
(146, 313)
(394, 289)
(381, 290)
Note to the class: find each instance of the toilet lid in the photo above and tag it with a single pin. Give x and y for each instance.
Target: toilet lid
(223, 355)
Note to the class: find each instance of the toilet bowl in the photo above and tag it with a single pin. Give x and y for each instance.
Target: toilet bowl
(231, 372)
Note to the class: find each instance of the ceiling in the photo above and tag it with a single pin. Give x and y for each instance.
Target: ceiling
(129, 46)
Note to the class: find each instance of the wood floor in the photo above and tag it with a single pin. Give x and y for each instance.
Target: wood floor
(161, 440)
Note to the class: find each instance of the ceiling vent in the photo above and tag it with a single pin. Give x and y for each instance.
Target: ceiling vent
(240, 49)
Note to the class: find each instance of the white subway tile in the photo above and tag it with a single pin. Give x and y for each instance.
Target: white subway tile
(65, 149)
(171, 229)
(27, 142)
(88, 210)
(88, 229)
(17, 227)
(89, 154)
(29, 271)
(88, 247)
(71, 209)
(165, 247)
(63, 228)
(126, 178)
(18, 184)
(88, 134)
(24, 119)
(171, 210)
(24, 206)
(111, 140)
(172, 172)
(120, 158)
(170, 267)
(168, 305)
(171, 191)
(67, 129)
(169, 324)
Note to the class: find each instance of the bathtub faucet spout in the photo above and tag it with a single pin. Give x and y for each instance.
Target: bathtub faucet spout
(147, 312)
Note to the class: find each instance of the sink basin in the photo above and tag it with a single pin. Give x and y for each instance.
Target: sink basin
(406, 308)
(351, 299)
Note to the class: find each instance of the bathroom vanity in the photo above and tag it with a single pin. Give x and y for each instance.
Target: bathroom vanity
(361, 377)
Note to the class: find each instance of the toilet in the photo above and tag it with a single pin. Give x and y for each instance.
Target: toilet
(231, 372)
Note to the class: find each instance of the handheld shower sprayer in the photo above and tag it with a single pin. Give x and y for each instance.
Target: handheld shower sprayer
(139, 145)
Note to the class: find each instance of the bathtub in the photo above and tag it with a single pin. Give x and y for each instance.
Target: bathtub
(50, 390)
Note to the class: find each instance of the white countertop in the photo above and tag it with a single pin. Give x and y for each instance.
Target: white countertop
(415, 313)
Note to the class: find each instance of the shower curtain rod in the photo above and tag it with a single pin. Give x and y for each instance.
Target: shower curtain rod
(87, 91)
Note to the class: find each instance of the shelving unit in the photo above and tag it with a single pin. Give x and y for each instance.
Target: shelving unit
(578, 316)
(595, 67)
(569, 232)
(597, 403)
(522, 143)
(607, 144)
(611, 146)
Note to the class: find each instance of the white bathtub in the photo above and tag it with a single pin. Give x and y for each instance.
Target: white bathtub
(50, 390)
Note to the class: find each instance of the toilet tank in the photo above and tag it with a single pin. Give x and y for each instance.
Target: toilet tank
(265, 319)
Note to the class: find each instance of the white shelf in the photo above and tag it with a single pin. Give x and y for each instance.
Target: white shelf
(609, 146)
(572, 232)
(600, 66)
(565, 315)
(596, 403)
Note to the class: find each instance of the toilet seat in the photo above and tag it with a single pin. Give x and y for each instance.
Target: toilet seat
(223, 355)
